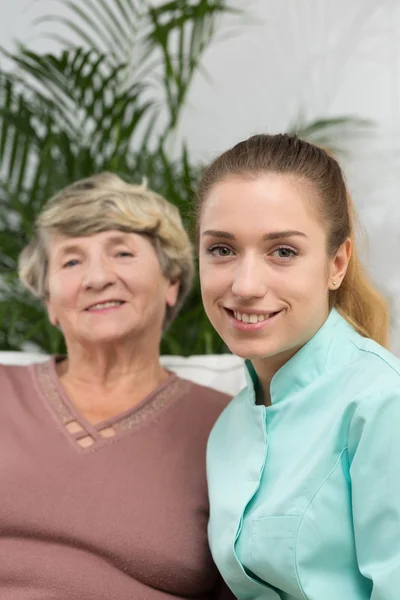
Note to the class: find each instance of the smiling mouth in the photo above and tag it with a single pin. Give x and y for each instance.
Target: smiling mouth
(251, 318)
(104, 305)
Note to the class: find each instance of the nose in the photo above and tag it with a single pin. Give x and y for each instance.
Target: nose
(99, 274)
(250, 279)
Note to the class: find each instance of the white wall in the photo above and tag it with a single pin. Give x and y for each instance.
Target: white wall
(311, 57)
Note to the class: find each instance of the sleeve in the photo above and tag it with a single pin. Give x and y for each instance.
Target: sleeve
(374, 455)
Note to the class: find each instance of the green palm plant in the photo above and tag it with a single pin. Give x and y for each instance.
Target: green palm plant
(96, 107)
(110, 101)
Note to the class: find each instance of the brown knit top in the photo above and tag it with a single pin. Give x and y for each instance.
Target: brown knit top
(112, 511)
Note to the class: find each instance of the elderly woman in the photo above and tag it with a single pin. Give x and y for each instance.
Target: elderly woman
(102, 451)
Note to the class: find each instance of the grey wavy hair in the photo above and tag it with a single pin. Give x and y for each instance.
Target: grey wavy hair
(106, 202)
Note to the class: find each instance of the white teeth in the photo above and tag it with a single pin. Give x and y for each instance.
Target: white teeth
(251, 318)
(105, 305)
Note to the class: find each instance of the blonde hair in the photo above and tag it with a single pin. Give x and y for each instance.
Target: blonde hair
(356, 299)
(106, 202)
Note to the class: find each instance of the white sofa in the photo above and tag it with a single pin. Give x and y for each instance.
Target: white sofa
(222, 372)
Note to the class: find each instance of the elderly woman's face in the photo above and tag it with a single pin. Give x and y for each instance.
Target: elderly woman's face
(107, 287)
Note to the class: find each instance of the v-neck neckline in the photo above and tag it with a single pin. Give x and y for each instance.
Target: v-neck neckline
(66, 413)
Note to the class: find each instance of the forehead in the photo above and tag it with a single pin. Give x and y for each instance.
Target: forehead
(270, 201)
(58, 242)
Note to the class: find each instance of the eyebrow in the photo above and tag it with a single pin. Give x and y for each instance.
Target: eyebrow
(273, 235)
(70, 247)
(118, 238)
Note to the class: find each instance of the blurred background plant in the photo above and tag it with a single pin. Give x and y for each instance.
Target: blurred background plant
(112, 100)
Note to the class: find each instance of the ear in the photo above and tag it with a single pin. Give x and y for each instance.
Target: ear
(339, 265)
(172, 293)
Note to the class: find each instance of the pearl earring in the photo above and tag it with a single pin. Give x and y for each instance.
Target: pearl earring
(334, 283)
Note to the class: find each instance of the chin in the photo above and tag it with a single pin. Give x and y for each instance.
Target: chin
(252, 351)
(104, 337)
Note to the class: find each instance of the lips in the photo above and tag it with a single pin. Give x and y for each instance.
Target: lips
(105, 304)
(251, 317)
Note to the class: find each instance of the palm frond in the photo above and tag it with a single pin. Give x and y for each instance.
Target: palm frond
(332, 133)
(169, 39)
(181, 32)
(100, 25)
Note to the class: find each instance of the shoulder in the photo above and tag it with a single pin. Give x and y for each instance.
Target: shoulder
(200, 406)
(14, 379)
(27, 370)
(369, 369)
(375, 356)
(13, 372)
(375, 414)
(197, 410)
(374, 429)
(371, 377)
(204, 399)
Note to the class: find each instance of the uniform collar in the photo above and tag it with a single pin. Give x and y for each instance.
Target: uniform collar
(325, 350)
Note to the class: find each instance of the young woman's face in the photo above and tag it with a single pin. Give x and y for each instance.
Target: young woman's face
(264, 268)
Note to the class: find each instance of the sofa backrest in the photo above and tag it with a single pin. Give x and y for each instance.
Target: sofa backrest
(222, 372)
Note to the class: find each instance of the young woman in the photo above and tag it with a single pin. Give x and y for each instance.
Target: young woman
(304, 464)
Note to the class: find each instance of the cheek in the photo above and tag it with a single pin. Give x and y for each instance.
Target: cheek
(308, 288)
(309, 277)
(54, 292)
(62, 289)
(213, 281)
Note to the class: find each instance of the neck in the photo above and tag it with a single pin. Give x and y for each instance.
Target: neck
(105, 366)
(104, 381)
